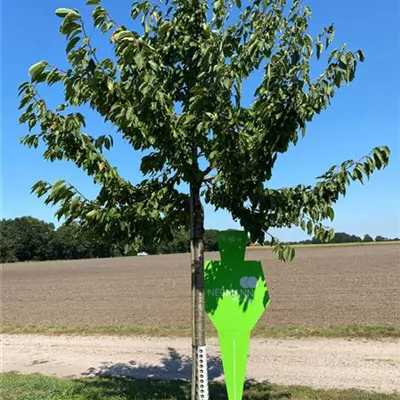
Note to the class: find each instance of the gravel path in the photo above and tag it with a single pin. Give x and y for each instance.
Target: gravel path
(321, 363)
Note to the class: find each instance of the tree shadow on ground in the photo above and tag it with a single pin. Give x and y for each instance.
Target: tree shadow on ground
(169, 380)
(173, 366)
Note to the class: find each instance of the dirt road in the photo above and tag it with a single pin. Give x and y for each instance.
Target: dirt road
(320, 363)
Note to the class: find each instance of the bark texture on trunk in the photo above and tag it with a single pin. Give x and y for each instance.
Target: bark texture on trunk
(198, 307)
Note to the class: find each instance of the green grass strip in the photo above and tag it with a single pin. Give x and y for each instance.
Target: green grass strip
(39, 387)
(295, 331)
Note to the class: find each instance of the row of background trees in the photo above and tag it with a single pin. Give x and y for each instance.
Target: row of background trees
(30, 239)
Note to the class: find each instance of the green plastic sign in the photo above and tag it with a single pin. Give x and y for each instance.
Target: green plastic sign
(236, 297)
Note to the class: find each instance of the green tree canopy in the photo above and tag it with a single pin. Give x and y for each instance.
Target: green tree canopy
(380, 238)
(340, 237)
(173, 88)
(71, 242)
(26, 238)
(368, 238)
(211, 240)
(6, 252)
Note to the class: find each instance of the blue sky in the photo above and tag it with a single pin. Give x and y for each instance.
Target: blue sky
(363, 115)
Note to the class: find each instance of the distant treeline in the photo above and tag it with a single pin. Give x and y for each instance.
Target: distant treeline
(342, 237)
(30, 239)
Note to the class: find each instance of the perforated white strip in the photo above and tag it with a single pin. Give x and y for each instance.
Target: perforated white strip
(202, 376)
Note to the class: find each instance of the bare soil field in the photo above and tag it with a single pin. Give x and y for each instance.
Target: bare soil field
(338, 285)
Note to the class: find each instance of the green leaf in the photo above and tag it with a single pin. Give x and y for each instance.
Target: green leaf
(139, 60)
(61, 107)
(292, 253)
(99, 16)
(367, 169)
(265, 4)
(386, 151)
(37, 68)
(338, 79)
(110, 85)
(343, 62)
(309, 227)
(295, 57)
(153, 65)
(213, 154)
(331, 213)
(226, 82)
(360, 55)
(333, 54)
(124, 35)
(378, 158)
(288, 253)
(309, 42)
(92, 213)
(58, 184)
(129, 113)
(32, 122)
(357, 174)
(63, 12)
(107, 26)
(92, 2)
(67, 28)
(22, 88)
(319, 48)
(285, 253)
(72, 43)
(164, 27)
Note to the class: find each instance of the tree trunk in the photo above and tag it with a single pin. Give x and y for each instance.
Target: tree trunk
(199, 360)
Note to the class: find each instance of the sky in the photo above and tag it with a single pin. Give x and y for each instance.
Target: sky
(363, 115)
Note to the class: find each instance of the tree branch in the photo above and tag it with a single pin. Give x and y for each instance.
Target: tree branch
(93, 51)
(209, 179)
(78, 192)
(207, 170)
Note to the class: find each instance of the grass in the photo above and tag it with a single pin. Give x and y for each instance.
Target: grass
(39, 387)
(314, 246)
(295, 331)
(103, 330)
(330, 331)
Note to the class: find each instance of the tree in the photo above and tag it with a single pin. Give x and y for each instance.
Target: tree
(343, 237)
(6, 251)
(25, 239)
(173, 89)
(338, 237)
(71, 242)
(67, 243)
(367, 238)
(211, 240)
(178, 243)
(380, 238)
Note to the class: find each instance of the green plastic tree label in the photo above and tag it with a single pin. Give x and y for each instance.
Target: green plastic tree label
(236, 297)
